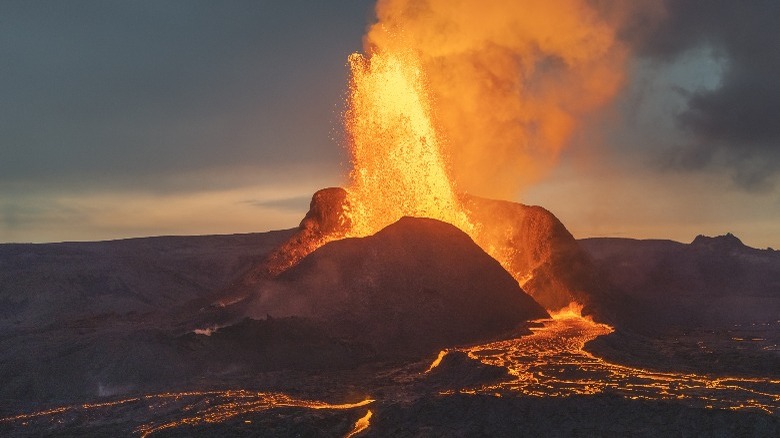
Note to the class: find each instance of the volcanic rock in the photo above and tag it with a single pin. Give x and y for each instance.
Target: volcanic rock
(274, 344)
(712, 306)
(552, 267)
(541, 252)
(725, 243)
(327, 219)
(412, 288)
(57, 283)
(714, 281)
(466, 415)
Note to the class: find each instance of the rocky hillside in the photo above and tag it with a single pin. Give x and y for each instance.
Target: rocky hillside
(713, 281)
(42, 284)
(541, 252)
(95, 319)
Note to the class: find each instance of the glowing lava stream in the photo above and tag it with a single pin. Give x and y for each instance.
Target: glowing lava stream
(552, 363)
(360, 425)
(192, 408)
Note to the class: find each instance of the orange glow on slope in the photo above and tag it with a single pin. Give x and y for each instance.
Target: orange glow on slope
(398, 167)
(437, 361)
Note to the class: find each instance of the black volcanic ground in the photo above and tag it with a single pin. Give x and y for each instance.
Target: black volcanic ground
(709, 306)
(97, 319)
(102, 320)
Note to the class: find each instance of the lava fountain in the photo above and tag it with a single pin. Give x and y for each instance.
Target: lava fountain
(399, 163)
(456, 99)
(398, 166)
(467, 97)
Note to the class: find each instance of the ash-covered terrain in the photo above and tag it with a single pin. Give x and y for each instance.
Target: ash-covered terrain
(182, 336)
(712, 305)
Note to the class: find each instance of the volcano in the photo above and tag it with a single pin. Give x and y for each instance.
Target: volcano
(537, 249)
(414, 287)
(295, 332)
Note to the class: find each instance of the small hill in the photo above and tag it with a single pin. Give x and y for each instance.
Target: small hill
(541, 252)
(413, 287)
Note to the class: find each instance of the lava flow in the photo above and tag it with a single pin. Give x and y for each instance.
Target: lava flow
(180, 409)
(552, 362)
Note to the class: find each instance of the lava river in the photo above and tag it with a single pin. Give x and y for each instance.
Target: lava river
(552, 362)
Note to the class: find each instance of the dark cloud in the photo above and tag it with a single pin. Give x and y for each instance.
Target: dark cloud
(736, 124)
(116, 91)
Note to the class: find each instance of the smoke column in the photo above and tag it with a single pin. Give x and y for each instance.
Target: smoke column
(509, 79)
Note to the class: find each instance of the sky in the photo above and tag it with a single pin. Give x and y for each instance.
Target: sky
(156, 117)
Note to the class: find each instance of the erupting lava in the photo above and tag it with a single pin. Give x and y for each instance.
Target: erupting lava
(458, 97)
(452, 98)
(399, 169)
(498, 85)
(399, 165)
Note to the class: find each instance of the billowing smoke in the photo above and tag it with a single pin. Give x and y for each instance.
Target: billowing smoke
(509, 79)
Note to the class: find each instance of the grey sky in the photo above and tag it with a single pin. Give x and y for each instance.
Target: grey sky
(735, 125)
(120, 91)
(227, 112)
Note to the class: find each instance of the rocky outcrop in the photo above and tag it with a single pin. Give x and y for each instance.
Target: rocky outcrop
(326, 220)
(539, 250)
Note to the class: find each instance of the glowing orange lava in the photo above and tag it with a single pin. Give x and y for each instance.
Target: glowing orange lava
(190, 408)
(360, 425)
(553, 363)
(398, 166)
(574, 310)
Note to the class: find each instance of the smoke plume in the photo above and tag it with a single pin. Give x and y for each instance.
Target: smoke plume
(509, 79)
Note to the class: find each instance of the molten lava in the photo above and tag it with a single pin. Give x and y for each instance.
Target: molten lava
(360, 425)
(470, 96)
(398, 166)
